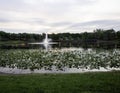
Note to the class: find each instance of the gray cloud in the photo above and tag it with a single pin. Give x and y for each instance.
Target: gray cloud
(38, 21)
(91, 25)
(11, 4)
(86, 2)
(65, 15)
(97, 23)
(59, 24)
(3, 20)
(22, 30)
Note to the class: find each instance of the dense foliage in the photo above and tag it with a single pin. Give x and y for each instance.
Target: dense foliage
(98, 34)
(37, 59)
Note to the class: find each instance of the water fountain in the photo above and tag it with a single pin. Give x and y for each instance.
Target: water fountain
(46, 42)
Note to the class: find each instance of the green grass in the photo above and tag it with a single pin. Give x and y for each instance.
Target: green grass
(97, 82)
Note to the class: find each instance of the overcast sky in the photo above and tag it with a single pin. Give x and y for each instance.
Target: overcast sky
(55, 16)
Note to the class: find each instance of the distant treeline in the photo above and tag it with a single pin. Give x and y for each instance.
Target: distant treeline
(99, 38)
(96, 35)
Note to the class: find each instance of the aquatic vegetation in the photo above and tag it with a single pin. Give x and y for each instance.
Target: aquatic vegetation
(37, 59)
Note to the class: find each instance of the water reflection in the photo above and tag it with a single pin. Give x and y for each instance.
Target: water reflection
(58, 44)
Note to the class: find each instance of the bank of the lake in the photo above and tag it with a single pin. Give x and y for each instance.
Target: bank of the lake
(96, 82)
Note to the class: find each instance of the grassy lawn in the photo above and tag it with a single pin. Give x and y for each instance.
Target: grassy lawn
(97, 82)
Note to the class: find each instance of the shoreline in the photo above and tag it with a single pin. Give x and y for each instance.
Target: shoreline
(90, 71)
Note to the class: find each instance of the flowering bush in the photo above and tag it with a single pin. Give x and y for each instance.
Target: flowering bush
(37, 59)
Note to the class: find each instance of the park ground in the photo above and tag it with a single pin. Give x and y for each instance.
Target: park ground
(90, 82)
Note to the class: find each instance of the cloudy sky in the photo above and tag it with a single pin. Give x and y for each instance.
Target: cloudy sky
(58, 16)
